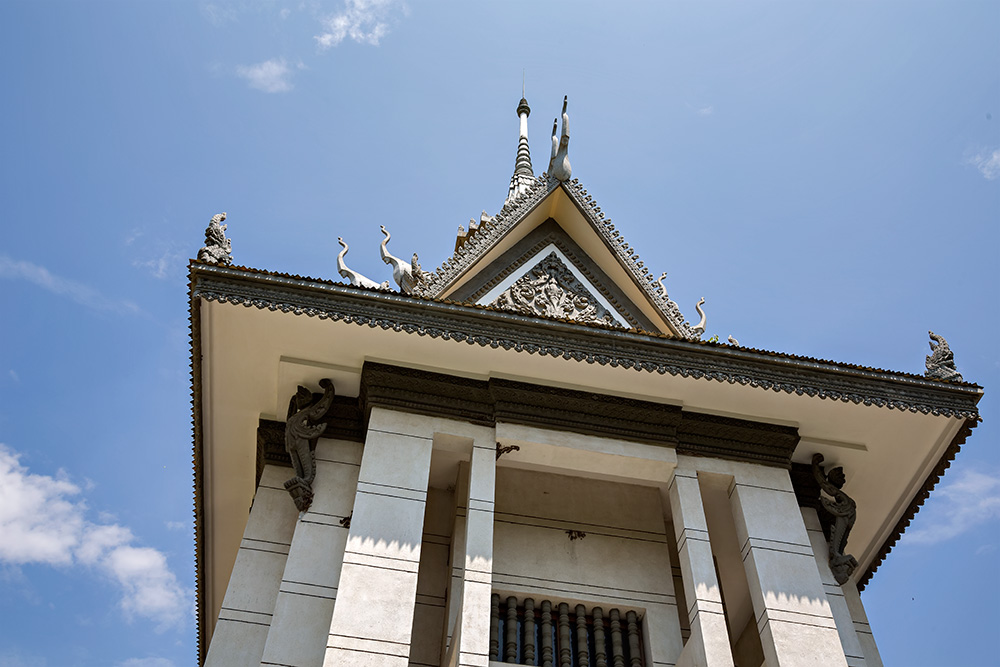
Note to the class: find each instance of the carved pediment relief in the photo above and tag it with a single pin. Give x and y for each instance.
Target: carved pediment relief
(550, 289)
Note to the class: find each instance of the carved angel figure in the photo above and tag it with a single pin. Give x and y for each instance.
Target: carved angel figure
(217, 249)
(940, 362)
(305, 423)
(845, 512)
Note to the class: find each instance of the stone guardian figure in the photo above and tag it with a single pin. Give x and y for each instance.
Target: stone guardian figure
(217, 249)
(844, 511)
(307, 419)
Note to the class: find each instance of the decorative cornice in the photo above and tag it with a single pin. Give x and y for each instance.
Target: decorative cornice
(488, 402)
(588, 343)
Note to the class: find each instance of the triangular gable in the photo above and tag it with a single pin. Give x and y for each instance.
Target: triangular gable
(561, 217)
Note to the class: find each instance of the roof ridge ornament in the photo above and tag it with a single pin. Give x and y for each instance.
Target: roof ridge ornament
(408, 276)
(940, 362)
(355, 278)
(217, 249)
(559, 166)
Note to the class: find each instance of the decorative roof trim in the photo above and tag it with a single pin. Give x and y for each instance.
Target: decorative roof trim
(511, 214)
(593, 344)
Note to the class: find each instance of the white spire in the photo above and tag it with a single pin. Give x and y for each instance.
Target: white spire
(523, 176)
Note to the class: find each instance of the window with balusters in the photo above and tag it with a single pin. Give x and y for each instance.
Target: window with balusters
(550, 634)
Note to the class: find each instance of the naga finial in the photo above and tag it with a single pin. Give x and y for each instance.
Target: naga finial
(700, 327)
(940, 362)
(663, 289)
(217, 249)
(355, 278)
(406, 275)
(559, 166)
(844, 511)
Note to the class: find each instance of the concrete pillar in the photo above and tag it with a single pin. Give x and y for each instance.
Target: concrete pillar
(241, 631)
(373, 617)
(473, 639)
(834, 593)
(309, 583)
(794, 619)
(861, 627)
(708, 643)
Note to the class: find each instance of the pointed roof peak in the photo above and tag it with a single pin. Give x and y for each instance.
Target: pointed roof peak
(524, 175)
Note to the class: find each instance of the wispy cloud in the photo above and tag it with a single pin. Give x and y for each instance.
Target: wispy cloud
(270, 76)
(13, 375)
(44, 521)
(987, 162)
(219, 14)
(177, 525)
(706, 111)
(973, 498)
(364, 21)
(78, 292)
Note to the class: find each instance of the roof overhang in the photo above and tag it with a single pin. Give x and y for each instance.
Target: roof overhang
(256, 335)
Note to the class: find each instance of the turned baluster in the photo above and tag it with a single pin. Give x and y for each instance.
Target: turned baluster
(565, 652)
(495, 627)
(546, 634)
(635, 652)
(617, 652)
(510, 646)
(600, 652)
(528, 653)
(582, 651)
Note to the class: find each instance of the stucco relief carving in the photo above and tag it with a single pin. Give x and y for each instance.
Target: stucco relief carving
(307, 419)
(551, 290)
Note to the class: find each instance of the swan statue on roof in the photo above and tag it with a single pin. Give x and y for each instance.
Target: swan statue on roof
(355, 278)
(700, 327)
(559, 167)
(407, 275)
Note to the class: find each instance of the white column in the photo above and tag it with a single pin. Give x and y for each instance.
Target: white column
(309, 583)
(793, 615)
(241, 631)
(861, 627)
(708, 644)
(373, 617)
(477, 577)
(834, 593)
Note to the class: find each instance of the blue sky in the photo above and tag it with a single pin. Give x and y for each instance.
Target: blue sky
(826, 175)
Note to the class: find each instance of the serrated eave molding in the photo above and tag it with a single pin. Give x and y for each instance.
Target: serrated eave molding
(589, 343)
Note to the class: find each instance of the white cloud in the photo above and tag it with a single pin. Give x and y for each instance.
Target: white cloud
(285, 13)
(706, 111)
(271, 76)
(13, 375)
(987, 162)
(973, 498)
(219, 14)
(162, 266)
(78, 292)
(364, 21)
(43, 520)
(176, 525)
